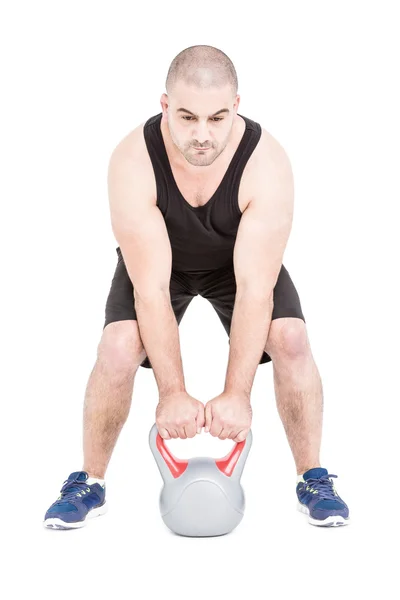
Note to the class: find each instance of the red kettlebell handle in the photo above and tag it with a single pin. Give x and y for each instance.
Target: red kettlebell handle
(228, 463)
(178, 466)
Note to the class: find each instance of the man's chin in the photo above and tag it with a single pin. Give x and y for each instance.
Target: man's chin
(200, 160)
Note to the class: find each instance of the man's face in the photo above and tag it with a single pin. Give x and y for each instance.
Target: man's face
(200, 121)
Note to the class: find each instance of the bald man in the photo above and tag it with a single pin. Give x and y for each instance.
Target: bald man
(201, 203)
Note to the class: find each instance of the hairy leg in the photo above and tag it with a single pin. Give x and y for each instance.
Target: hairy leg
(298, 390)
(109, 393)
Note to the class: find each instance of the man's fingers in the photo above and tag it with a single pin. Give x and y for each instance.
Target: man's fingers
(182, 432)
(164, 433)
(190, 429)
(225, 434)
(216, 428)
(208, 417)
(174, 434)
(241, 435)
(200, 420)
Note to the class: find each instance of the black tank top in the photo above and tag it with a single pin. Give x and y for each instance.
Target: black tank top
(202, 238)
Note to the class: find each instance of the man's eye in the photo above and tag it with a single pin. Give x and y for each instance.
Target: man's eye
(215, 119)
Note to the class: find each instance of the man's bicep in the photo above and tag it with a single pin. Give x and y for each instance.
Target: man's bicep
(146, 250)
(140, 230)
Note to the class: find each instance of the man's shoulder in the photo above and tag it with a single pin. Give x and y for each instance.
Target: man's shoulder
(268, 156)
(268, 151)
(131, 153)
(268, 161)
(132, 146)
(130, 162)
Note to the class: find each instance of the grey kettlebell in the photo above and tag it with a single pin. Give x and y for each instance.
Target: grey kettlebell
(202, 496)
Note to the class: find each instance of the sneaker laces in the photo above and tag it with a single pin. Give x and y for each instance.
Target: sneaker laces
(324, 486)
(70, 489)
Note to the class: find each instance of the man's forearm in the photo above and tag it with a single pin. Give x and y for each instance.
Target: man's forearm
(250, 325)
(160, 336)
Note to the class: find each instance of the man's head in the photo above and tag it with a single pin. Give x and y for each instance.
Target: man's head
(201, 103)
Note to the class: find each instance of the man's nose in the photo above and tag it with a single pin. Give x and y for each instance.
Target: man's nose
(200, 134)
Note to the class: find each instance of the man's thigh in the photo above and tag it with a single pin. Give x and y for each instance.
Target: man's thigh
(220, 290)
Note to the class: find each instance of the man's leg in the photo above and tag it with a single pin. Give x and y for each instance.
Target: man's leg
(120, 352)
(297, 383)
(298, 390)
(109, 393)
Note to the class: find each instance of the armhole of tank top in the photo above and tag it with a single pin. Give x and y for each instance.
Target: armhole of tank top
(236, 203)
(237, 207)
(158, 187)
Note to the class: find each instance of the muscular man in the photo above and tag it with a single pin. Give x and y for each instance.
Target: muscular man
(201, 202)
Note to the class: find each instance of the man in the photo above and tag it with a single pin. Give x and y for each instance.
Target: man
(201, 202)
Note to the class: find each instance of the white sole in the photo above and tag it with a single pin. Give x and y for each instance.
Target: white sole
(60, 524)
(331, 521)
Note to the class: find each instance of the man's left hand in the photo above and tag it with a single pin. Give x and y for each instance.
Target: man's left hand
(228, 416)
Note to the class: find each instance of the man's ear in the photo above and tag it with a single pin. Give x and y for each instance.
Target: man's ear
(164, 101)
(237, 102)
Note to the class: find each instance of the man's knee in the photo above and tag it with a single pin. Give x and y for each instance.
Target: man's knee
(121, 349)
(287, 339)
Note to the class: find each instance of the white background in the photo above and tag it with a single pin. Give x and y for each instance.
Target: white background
(322, 77)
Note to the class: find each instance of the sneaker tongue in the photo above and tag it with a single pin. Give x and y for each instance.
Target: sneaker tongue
(315, 473)
(78, 475)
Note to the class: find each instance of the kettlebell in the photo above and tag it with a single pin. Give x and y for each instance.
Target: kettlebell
(201, 496)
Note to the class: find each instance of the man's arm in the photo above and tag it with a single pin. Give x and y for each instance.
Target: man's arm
(260, 244)
(140, 231)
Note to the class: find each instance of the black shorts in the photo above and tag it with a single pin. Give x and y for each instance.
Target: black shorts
(217, 286)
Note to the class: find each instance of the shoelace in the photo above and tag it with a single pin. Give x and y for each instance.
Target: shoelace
(323, 485)
(70, 489)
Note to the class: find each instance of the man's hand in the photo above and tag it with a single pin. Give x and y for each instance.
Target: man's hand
(179, 415)
(228, 416)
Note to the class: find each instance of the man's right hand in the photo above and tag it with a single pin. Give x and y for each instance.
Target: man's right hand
(179, 415)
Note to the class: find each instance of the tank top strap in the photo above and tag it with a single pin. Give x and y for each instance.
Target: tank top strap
(154, 143)
(245, 149)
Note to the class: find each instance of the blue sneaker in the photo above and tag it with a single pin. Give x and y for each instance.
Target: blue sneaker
(319, 499)
(78, 501)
